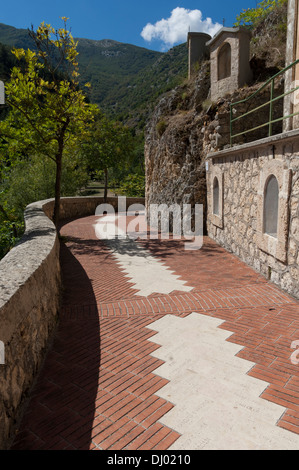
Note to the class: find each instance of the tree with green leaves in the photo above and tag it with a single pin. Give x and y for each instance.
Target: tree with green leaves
(49, 113)
(109, 147)
(252, 16)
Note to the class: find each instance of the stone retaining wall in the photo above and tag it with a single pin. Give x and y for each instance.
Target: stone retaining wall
(30, 286)
(238, 223)
(75, 207)
(29, 302)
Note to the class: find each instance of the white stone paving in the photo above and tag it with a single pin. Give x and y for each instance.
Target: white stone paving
(148, 274)
(217, 405)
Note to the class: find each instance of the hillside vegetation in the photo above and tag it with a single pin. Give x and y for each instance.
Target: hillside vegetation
(125, 79)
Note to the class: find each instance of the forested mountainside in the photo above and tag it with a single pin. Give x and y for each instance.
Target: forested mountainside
(126, 80)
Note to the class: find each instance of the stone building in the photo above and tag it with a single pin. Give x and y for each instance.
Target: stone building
(253, 193)
(249, 185)
(229, 56)
(197, 50)
(253, 205)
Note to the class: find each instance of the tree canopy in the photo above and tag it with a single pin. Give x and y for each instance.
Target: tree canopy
(49, 112)
(110, 147)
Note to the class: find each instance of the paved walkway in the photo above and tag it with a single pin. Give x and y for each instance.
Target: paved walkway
(162, 348)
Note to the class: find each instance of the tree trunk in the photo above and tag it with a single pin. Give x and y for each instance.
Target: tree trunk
(58, 159)
(56, 216)
(106, 185)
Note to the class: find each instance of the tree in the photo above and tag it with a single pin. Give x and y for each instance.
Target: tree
(110, 146)
(48, 111)
(251, 17)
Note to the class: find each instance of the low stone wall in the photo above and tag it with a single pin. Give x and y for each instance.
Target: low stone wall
(237, 179)
(30, 286)
(75, 207)
(29, 302)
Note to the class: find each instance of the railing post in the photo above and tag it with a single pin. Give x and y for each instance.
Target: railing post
(231, 124)
(271, 107)
(269, 82)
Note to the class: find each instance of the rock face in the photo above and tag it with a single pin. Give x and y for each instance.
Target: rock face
(186, 126)
(174, 146)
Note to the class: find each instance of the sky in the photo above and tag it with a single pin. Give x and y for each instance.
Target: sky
(154, 24)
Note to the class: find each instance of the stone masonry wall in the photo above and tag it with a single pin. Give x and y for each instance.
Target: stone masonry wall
(185, 126)
(242, 172)
(72, 207)
(29, 302)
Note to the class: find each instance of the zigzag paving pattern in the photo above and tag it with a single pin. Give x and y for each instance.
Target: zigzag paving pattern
(218, 406)
(207, 367)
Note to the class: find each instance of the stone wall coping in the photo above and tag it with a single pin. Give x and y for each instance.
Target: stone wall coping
(37, 243)
(29, 253)
(275, 139)
(74, 199)
(227, 30)
(198, 34)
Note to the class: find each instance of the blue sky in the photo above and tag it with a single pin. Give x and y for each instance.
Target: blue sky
(126, 20)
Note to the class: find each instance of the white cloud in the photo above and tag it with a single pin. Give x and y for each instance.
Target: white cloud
(174, 29)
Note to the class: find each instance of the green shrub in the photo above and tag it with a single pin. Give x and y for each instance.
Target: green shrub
(10, 234)
(133, 186)
(252, 16)
(161, 127)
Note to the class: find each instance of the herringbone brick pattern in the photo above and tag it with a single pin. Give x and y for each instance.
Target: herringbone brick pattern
(97, 388)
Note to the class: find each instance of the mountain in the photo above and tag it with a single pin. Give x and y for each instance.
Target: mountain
(126, 80)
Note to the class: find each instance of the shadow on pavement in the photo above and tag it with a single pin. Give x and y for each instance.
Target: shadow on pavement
(61, 412)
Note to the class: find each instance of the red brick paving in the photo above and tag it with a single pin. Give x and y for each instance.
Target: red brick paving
(97, 388)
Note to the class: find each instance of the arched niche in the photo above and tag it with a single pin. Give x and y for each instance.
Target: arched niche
(224, 61)
(271, 201)
(230, 61)
(216, 195)
(273, 208)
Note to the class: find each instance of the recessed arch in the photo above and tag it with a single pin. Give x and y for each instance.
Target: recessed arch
(216, 195)
(271, 202)
(224, 61)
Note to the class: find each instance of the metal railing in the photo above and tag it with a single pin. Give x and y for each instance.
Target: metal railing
(270, 102)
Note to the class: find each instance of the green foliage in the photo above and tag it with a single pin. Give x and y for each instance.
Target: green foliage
(11, 228)
(108, 145)
(161, 127)
(7, 236)
(109, 150)
(7, 62)
(133, 186)
(253, 16)
(34, 179)
(126, 80)
(48, 111)
(28, 181)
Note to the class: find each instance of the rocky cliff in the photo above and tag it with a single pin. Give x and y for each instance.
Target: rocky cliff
(185, 126)
(174, 145)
